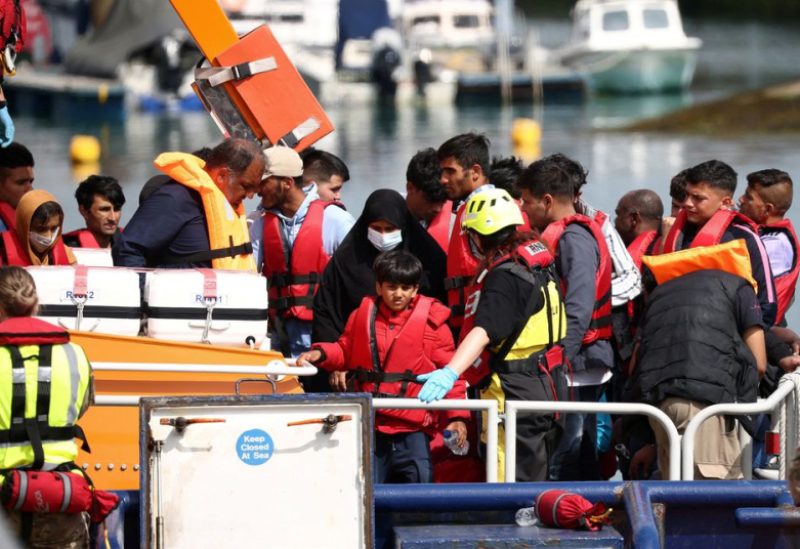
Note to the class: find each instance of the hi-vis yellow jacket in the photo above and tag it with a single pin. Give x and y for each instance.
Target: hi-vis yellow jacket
(45, 386)
(228, 236)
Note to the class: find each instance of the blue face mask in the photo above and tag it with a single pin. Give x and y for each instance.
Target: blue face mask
(384, 242)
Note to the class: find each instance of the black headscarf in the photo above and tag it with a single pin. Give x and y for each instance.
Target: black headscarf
(349, 277)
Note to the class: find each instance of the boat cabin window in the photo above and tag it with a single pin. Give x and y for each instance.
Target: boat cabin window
(426, 20)
(615, 21)
(466, 21)
(655, 19)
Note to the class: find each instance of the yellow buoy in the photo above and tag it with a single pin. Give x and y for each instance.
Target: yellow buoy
(526, 133)
(84, 149)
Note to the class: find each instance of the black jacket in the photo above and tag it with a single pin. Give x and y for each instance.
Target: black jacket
(690, 343)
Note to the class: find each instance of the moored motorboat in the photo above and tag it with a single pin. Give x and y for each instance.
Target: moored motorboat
(631, 46)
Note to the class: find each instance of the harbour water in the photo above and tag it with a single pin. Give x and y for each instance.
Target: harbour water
(377, 142)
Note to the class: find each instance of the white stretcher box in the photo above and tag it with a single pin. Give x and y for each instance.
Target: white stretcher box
(288, 471)
(93, 257)
(90, 299)
(206, 306)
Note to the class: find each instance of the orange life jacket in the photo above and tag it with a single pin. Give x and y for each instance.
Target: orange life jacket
(731, 257)
(294, 275)
(16, 255)
(785, 283)
(439, 227)
(600, 325)
(8, 215)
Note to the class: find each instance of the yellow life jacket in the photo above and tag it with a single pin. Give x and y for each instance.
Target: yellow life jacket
(44, 389)
(228, 236)
(731, 257)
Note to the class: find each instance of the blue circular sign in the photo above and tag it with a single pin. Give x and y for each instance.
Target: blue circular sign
(254, 447)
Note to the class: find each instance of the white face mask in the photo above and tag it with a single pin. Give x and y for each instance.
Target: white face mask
(40, 242)
(384, 242)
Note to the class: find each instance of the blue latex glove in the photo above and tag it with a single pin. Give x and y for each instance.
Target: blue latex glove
(437, 384)
(6, 128)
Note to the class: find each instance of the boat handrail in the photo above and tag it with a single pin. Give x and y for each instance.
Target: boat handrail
(513, 407)
(489, 406)
(272, 368)
(788, 389)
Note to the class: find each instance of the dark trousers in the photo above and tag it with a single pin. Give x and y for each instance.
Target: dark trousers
(576, 457)
(402, 458)
(535, 431)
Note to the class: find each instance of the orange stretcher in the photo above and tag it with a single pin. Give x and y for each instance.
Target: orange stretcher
(251, 89)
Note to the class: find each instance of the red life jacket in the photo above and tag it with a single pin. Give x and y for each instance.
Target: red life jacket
(600, 326)
(461, 268)
(27, 330)
(14, 254)
(709, 234)
(785, 283)
(84, 237)
(405, 358)
(644, 244)
(8, 215)
(292, 286)
(532, 255)
(439, 227)
(12, 24)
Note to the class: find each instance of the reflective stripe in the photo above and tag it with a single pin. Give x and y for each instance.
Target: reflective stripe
(74, 382)
(67, 491)
(45, 373)
(18, 375)
(23, 489)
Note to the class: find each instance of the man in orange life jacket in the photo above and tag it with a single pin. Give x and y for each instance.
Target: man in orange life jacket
(16, 178)
(706, 219)
(327, 171)
(584, 265)
(388, 341)
(197, 218)
(100, 200)
(426, 198)
(766, 200)
(294, 233)
(464, 160)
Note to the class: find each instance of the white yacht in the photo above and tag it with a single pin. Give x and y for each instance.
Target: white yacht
(631, 46)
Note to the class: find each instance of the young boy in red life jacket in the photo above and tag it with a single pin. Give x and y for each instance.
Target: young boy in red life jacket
(766, 200)
(389, 340)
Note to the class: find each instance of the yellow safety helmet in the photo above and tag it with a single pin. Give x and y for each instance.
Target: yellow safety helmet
(490, 211)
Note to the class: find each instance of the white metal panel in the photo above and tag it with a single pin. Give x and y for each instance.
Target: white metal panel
(254, 481)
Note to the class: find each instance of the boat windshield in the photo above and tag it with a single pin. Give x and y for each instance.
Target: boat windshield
(466, 22)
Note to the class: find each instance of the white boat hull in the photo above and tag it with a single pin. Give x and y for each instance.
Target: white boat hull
(635, 71)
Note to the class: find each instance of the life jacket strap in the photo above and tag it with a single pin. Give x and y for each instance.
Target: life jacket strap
(282, 280)
(207, 255)
(284, 303)
(371, 376)
(456, 282)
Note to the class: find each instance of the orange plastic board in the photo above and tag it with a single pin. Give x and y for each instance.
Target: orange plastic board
(279, 99)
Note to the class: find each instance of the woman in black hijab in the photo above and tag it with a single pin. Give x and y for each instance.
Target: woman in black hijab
(385, 224)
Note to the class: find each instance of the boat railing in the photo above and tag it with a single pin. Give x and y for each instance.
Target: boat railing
(489, 406)
(513, 407)
(783, 404)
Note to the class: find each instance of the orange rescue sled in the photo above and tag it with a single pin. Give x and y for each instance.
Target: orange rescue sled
(251, 88)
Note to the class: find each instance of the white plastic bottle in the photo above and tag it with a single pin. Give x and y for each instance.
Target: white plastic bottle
(525, 516)
(451, 441)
